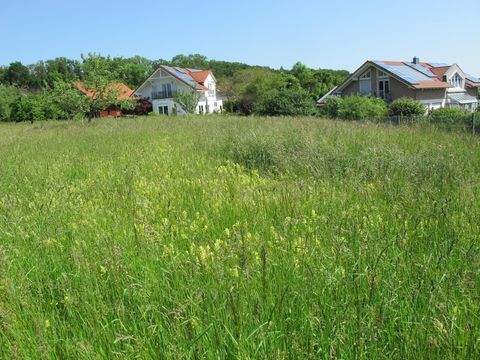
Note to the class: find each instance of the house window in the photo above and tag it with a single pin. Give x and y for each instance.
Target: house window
(207, 109)
(211, 89)
(200, 109)
(163, 110)
(382, 74)
(167, 90)
(456, 80)
(367, 75)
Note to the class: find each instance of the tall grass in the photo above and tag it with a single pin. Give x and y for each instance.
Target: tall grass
(238, 238)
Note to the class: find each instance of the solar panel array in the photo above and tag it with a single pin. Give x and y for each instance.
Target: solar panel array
(405, 72)
(182, 75)
(422, 69)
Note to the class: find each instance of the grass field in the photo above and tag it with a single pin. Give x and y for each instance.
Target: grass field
(248, 238)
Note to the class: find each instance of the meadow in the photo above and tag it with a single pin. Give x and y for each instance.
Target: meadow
(238, 238)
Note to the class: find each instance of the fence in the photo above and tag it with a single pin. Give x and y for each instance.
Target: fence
(469, 123)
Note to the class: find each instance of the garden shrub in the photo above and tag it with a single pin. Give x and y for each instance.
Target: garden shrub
(449, 116)
(331, 107)
(406, 107)
(8, 97)
(362, 108)
(285, 102)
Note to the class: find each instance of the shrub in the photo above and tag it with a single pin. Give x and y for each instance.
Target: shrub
(331, 107)
(28, 107)
(285, 102)
(362, 108)
(406, 107)
(8, 97)
(449, 116)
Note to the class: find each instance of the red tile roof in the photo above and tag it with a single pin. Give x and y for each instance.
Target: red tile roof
(199, 75)
(122, 90)
(432, 84)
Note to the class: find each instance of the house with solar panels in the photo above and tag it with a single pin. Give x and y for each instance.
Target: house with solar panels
(163, 85)
(433, 84)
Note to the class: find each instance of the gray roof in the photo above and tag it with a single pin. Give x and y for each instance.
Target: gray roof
(472, 78)
(462, 98)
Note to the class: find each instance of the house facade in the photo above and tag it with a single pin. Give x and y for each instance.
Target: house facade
(434, 85)
(163, 85)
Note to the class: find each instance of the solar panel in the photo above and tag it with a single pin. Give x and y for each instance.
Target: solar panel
(422, 69)
(179, 73)
(404, 72)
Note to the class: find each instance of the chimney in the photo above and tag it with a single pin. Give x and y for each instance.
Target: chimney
(416, 60)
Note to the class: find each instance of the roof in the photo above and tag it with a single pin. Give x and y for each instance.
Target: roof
(462, 98)
(423, 75)
(122, 90)
(192, 77)
(419, 76)
(199, 75)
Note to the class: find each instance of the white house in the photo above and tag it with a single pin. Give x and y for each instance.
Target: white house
(160, 88)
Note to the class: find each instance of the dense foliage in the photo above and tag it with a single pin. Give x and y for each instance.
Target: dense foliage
(9, 95)
(449, 116)
(407, 107)
(251, 89)
(238, 238)
(362, 108)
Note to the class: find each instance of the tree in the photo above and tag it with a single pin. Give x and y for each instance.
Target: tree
(9, 95)
(17, 74)
(187, 100)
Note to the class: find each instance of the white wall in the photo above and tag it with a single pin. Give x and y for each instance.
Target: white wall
(160, 77)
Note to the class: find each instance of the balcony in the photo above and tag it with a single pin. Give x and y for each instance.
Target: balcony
(157, 95)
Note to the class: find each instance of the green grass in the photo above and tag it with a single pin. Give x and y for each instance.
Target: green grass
(248, 238)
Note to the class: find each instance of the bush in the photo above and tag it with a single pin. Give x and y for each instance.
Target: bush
(331, 107)
(362, 108)
(449, 116)
(9, 95)
(406, 107)
(60, 103)
(285, 102)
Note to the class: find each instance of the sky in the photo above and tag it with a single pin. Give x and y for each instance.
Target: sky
(333, 34)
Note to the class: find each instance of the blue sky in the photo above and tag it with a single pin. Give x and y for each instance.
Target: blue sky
(329, 34)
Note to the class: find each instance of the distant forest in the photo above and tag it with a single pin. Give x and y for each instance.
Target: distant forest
(250, 89)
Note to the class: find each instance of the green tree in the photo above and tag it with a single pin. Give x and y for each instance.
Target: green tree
(187, 100)
(17, 74)
(9, 95)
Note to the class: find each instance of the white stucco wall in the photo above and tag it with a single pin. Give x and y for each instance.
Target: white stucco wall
(160, 77)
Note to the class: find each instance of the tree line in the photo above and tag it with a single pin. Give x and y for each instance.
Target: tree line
(34, 89)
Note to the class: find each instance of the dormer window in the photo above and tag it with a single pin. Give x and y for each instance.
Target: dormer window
(456, 80)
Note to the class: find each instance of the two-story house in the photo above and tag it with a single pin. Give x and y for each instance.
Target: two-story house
(435, 85)
(162, 86)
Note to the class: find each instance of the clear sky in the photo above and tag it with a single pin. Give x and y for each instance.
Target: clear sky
(328, 34)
